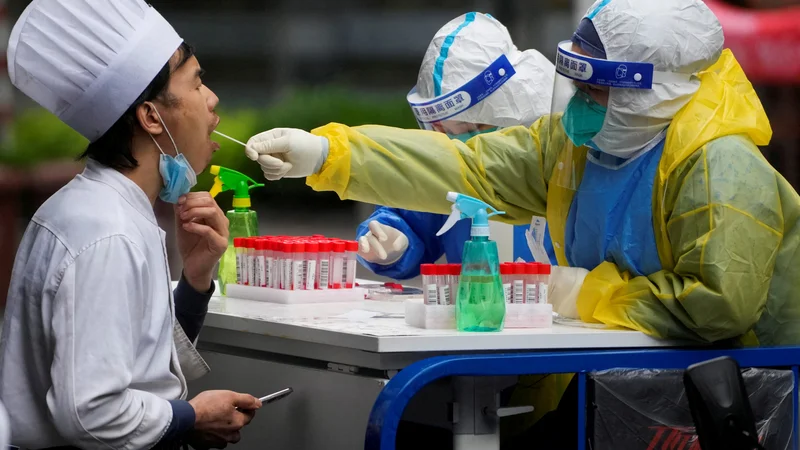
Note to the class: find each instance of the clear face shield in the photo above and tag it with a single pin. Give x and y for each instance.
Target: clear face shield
(445, 112)
(583, 86)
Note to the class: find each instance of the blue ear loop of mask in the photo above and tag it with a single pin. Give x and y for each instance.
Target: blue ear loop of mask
(583, 118)
(178, 176)
(464, 137)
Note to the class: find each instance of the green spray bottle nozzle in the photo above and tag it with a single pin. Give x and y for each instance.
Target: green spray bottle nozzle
(227, 179)
(464, 207)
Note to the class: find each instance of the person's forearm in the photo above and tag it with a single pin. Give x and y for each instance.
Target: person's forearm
(191, 307)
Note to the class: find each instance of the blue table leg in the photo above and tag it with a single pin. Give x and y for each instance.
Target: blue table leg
(388, 409)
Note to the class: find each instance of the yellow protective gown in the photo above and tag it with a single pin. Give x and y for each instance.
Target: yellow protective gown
(725, 221)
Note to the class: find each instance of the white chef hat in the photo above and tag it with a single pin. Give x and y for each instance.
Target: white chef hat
(87, 61)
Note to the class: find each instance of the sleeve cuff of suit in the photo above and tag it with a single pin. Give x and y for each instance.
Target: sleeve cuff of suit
(189, 301)
(183, 418)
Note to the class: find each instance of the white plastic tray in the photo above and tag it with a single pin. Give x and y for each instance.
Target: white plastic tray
(295, 297)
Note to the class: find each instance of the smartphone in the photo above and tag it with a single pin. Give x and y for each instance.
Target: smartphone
(276, 396)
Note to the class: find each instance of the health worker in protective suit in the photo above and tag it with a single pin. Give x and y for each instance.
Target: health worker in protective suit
(394, 242)
(662, 210)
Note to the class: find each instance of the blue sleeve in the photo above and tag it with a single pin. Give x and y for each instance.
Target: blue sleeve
(183, 418)
(191, 307)
(423, 245)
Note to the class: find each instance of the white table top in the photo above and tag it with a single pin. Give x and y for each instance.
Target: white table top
(375, 326)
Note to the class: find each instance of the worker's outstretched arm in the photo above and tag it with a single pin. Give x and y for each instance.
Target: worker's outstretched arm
(414, 169)
(725, 224)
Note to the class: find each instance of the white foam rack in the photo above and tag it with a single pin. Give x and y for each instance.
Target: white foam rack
(285, 297)
(443, 317)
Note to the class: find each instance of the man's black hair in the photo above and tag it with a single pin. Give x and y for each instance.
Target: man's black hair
(113, 148)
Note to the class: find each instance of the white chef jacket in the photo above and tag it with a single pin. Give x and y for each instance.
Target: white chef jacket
(87, 357)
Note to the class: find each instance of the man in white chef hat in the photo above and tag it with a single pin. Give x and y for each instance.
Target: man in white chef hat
(96, 347)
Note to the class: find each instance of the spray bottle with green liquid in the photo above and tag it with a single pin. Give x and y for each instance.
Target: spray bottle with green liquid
(480, 302)
(243, 220)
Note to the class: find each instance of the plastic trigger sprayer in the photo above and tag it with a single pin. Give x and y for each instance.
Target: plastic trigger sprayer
(243, 220)
(480, 302)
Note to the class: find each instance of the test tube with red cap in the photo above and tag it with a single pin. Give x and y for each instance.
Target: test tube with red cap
(430, 288)
(260, 263)
(455, 276)
(518, 288)
(298, 258)
(531, 282)
(544, 282)
(443, 284)
(351, 248)
(286, 267)
(238, 246)
(337, 263)
(507, 275)
(269, 260)
(251, 261)
(311, 261)
(325, 248)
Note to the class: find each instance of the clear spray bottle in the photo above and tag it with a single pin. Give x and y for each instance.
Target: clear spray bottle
(480, 302)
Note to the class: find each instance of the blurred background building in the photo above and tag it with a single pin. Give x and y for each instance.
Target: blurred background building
(304, 63)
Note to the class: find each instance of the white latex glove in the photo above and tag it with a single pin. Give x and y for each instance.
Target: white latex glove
(383, 244)
(287, 153)
(565, 285)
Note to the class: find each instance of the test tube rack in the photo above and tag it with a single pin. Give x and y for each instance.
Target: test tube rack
(285, 297)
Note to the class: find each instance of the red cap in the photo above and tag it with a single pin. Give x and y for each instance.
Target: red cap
(318, 236)
(339, 246)
(285, 247)
(544, 269)
(325, 246)
(519, 269)
(261, 244)
(238, 242)
(352, 246)
(427, 269)
(251, 242)
(506, 269)
(532, 268)
(454, 269)
(298, 247)
(312, 247)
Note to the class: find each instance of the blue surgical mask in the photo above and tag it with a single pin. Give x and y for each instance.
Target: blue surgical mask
(464, 137)
(583, 118)
(178, 175)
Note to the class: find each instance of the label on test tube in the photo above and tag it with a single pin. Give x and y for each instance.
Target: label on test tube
(519, 283)
(237, 246)
(443, 280)
(251, 262)
(312, 253)
(268, 264)
(298, 269)
(544, 280)
(506, 273)
(325, 248)
(531, 285)
(430, 290)
(287, 267)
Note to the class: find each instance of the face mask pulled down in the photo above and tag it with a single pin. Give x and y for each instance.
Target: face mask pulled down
(176, 172)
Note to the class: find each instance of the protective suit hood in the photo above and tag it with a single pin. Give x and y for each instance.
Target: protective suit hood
(681, 36)
(464, 48)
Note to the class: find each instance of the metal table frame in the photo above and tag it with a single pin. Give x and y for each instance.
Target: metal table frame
(388, 409)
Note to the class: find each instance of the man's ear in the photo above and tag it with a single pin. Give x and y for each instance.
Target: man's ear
(148, 118)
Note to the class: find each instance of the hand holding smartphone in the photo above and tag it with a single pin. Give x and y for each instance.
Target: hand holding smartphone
(275, 396)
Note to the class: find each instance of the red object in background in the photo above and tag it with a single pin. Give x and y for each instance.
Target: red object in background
(765, 42)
